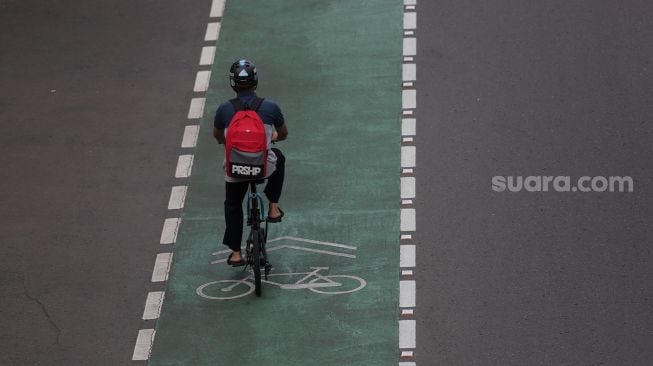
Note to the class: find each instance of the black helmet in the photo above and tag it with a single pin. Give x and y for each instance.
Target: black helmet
(242, 75)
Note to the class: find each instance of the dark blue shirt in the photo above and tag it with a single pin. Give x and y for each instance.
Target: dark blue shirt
(269, 111)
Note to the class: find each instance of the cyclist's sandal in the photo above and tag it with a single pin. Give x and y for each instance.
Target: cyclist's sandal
(275, 219)
(241, 262)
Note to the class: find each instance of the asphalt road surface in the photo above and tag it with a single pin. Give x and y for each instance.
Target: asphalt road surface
(514, 88)
(93, 102)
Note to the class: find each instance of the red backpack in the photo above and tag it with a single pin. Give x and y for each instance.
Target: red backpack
(246, 148)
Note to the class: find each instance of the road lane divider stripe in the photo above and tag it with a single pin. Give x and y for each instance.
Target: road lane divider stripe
(407, 187)
(191, 133)
(212, 31)
(196, 109)
(170, 230)
(408, 126)
(177, 197)
(207, 56)
(202, 81)
(409, 98)
(408, 156)
(217, 8)
(153, 305)
(143, 344)
(407, 334)
(407, 294)
(410, 20)
(161, 267)
(409, 72)
(407, 256)
(184, 166)
(407, 219)
(163, 261)
(410, 46)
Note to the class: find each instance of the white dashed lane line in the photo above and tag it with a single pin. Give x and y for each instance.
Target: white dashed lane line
(170, 230)
(212, 32)
(407, 258)
(184, 166)
(196, 109)
(207, 56)
(163, 262)
(190, 136)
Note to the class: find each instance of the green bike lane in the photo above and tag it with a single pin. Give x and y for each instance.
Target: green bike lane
(335, 69)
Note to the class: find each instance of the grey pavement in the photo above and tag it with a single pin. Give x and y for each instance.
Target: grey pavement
(534, 88)
(93, 103)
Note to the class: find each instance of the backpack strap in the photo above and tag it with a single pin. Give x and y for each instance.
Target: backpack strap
(256, 103)
(240, 106)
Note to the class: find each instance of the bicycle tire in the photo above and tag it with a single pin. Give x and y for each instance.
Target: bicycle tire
(256, 266)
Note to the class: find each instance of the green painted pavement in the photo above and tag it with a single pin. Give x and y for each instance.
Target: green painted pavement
(335, 69)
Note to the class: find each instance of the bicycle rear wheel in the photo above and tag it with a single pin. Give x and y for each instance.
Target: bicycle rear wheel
(256, 266)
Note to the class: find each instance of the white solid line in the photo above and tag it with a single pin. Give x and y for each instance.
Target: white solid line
(407, 187)
(406, 237)
(143, 344)
(407, 364)
(184, 166)
(408, 126)
(409, 72)
(217, 8)
(177, 197)
(196, 109)
(410, 20)
(161, 267)
(212, 31)
(409, 98)
(190, 136)
(410, 2)
(410, 46)
(407, 334)
(408, 156)
(407, 171)
(409, 33)
(153, 305)
(313, 242)
(208, 54)
(406, 294)
(407, 272)
(407, 256)
(170, 229)
(409, 59)
(202, 81)
(407, 219)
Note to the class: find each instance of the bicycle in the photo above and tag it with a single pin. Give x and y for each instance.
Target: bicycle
(256, 256)
(313, 281)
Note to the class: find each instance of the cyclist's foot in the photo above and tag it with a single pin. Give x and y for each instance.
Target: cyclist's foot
(275, 214)
(235, 259)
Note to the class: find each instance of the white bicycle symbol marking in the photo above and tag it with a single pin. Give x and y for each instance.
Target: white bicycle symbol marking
(314, 281)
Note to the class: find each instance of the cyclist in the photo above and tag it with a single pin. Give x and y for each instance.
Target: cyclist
(244, 80)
